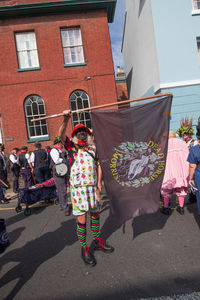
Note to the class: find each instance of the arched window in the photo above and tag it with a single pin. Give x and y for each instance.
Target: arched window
(78, 100)
(34, 107)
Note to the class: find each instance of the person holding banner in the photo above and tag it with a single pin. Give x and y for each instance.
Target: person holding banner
(85, 183)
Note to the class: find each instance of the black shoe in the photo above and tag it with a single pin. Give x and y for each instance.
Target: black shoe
(165, 211)
(4, 201)
(101, 245)
(180, 210)
(87, 257)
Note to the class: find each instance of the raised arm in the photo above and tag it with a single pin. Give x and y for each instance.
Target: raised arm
(63, 126)
(99, 178)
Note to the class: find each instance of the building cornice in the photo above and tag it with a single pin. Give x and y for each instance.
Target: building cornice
(172, 85)
(58, 7)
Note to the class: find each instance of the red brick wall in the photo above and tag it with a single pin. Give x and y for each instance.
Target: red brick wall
(122, 92)
(53, 82)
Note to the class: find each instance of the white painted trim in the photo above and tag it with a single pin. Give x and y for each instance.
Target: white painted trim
(177, 84)
(195, 12)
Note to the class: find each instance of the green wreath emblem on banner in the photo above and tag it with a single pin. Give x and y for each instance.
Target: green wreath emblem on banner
(133, 163)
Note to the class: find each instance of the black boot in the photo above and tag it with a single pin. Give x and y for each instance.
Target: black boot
(165, 211)
(180, 210)
(87, 257)
(101, 245)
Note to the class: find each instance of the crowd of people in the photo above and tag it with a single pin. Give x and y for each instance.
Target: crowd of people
(34, 168)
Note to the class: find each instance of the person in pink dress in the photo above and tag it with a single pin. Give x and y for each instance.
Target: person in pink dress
(176, 174)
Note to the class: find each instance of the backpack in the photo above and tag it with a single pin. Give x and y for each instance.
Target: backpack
(65, 158)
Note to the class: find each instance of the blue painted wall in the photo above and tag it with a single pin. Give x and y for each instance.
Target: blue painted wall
(186, 102)
(175, 34)
(176, 30)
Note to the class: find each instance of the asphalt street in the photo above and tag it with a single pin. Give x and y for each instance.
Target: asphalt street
(155, 256)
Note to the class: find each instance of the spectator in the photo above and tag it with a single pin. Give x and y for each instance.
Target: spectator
(48, 150)
(15, 168)
(194, 166)
(176, 174)
(39, 161)
(26, 167)
(57, 158)
(3, 177)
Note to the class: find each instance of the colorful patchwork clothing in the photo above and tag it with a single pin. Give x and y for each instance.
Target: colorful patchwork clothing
(83, 177)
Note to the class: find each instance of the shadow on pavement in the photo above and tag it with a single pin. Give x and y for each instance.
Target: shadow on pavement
(35, 253)
(110, 225)
(192, 209)
(15, 234)
(148, 290)
(20, 216)
(141, 224)
(147, 223)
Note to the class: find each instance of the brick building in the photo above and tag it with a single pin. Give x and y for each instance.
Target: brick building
(54, 55)
(121, 86)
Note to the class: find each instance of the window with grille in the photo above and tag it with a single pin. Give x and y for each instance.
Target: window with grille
(26, 50)
(198, 47)
(72, 45)
(34, 107)
(196, 4)
(78, 100)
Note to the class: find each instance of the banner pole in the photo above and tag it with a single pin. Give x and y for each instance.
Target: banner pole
(101, 106)
(3, 183)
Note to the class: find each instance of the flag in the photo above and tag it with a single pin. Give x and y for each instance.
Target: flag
(132, 148)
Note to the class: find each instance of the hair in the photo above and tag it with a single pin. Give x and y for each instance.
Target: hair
(38, 145)
(172, 134)
(2, 147)
(198, 132)
(57, 141)
(15, 149)
(24, 148)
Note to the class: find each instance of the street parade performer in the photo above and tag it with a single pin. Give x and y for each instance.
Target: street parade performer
(85, 182)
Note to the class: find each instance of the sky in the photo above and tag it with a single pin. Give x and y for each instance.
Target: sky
(116, 33)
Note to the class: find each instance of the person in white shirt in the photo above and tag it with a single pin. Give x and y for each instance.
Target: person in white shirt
(15, 168)
(57, 158)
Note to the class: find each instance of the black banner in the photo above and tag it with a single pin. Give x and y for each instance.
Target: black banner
(132, 148)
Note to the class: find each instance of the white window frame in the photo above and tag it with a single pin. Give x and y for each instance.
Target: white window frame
(198, 47)
(33, 113)
(72, 45)
(79, 99)
(27, 52)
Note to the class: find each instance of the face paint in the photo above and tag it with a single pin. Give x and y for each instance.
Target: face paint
(81, 134)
